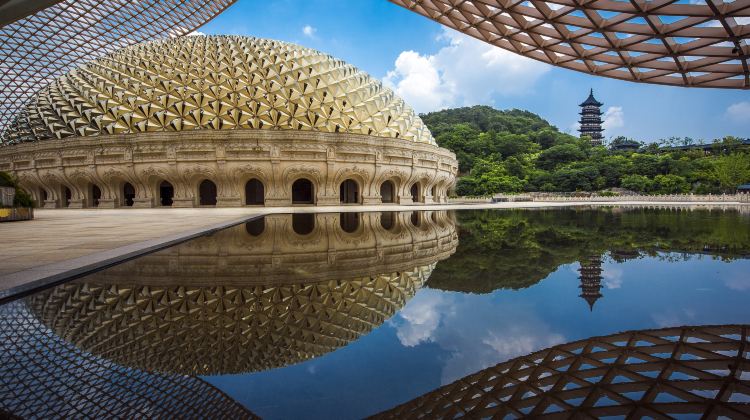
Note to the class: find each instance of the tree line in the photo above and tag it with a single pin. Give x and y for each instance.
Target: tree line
(512, 151)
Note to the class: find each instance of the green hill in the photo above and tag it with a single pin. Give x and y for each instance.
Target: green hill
(517, 151)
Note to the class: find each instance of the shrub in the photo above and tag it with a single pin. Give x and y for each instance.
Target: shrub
(23, 198)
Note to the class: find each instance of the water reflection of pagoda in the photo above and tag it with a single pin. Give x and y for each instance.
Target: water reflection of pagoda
(591, 279)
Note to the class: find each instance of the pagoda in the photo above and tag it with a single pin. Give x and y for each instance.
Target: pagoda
(591, 119)
(591, 279)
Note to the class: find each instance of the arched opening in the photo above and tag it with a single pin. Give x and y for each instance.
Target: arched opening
(388, 220)
(42, 195)
(128, 194)
(256, 227)
(433, 192)
(67, 196)
(415, 192)
(349, 222)
(303, 223)
(166, 193)
(387, 194)
(254, 193)
(303, 192)
(349, 192)
(416, 218)
(96, 195)
(207, 193)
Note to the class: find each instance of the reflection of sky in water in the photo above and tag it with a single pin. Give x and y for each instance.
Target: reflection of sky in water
(440, 336)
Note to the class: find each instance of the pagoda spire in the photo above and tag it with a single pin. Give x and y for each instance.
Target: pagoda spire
(591, 119)
(591, 280)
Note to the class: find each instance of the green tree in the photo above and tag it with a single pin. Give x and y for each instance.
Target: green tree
(638, 183)
(731, 171)
(670, 184)
(514, 150)
(560, 154)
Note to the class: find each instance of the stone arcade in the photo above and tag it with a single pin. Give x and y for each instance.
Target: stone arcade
(222, 121)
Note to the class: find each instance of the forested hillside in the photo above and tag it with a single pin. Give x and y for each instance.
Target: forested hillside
(517, 151)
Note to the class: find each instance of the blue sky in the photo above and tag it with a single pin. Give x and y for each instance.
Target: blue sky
(434, 68)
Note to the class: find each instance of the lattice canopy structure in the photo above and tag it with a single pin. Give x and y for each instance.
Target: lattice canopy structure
(701, 43)
(663, 373)
(45, 44)
(43, 376)
(216, 83)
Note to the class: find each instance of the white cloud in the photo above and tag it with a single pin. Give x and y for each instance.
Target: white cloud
(422, 317)
(612, 277)
(417, 80)
(471, 330)
(464, 72)
(309, 31)
(613, 118)
(196, 33)
(673, 317)
(739, 112)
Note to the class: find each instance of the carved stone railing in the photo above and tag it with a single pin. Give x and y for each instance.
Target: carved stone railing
(659, 198)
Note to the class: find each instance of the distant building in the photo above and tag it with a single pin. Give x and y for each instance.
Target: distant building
(591, 280)
(624, 144)
(591, 119)
(743, 189)
(710, 148)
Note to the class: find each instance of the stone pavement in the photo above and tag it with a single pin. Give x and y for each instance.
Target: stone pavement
(63, 243)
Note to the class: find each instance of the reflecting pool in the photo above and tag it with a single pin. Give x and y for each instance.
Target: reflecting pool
(357, 314)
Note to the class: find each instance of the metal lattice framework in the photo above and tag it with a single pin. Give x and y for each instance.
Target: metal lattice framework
(43, 376)
(42, 46)
(651, 373)
(701, 43)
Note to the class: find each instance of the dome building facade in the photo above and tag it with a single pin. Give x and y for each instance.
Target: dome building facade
(222, 121)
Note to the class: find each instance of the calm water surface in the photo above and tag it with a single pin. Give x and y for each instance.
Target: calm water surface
(348, 315)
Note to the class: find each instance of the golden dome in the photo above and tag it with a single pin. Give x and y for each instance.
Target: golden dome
(219, 83)
(205, 330)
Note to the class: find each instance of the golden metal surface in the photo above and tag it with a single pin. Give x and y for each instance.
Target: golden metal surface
(218, 83)
(702, 43)
(55, 38)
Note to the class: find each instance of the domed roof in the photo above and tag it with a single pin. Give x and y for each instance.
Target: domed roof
(216, 82)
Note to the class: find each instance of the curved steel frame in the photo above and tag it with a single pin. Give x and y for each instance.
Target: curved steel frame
(45, 44)
(648, 373)
(670, 42)
(43, 376)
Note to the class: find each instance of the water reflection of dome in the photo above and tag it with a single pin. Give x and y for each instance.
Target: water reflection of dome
(243, 309)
